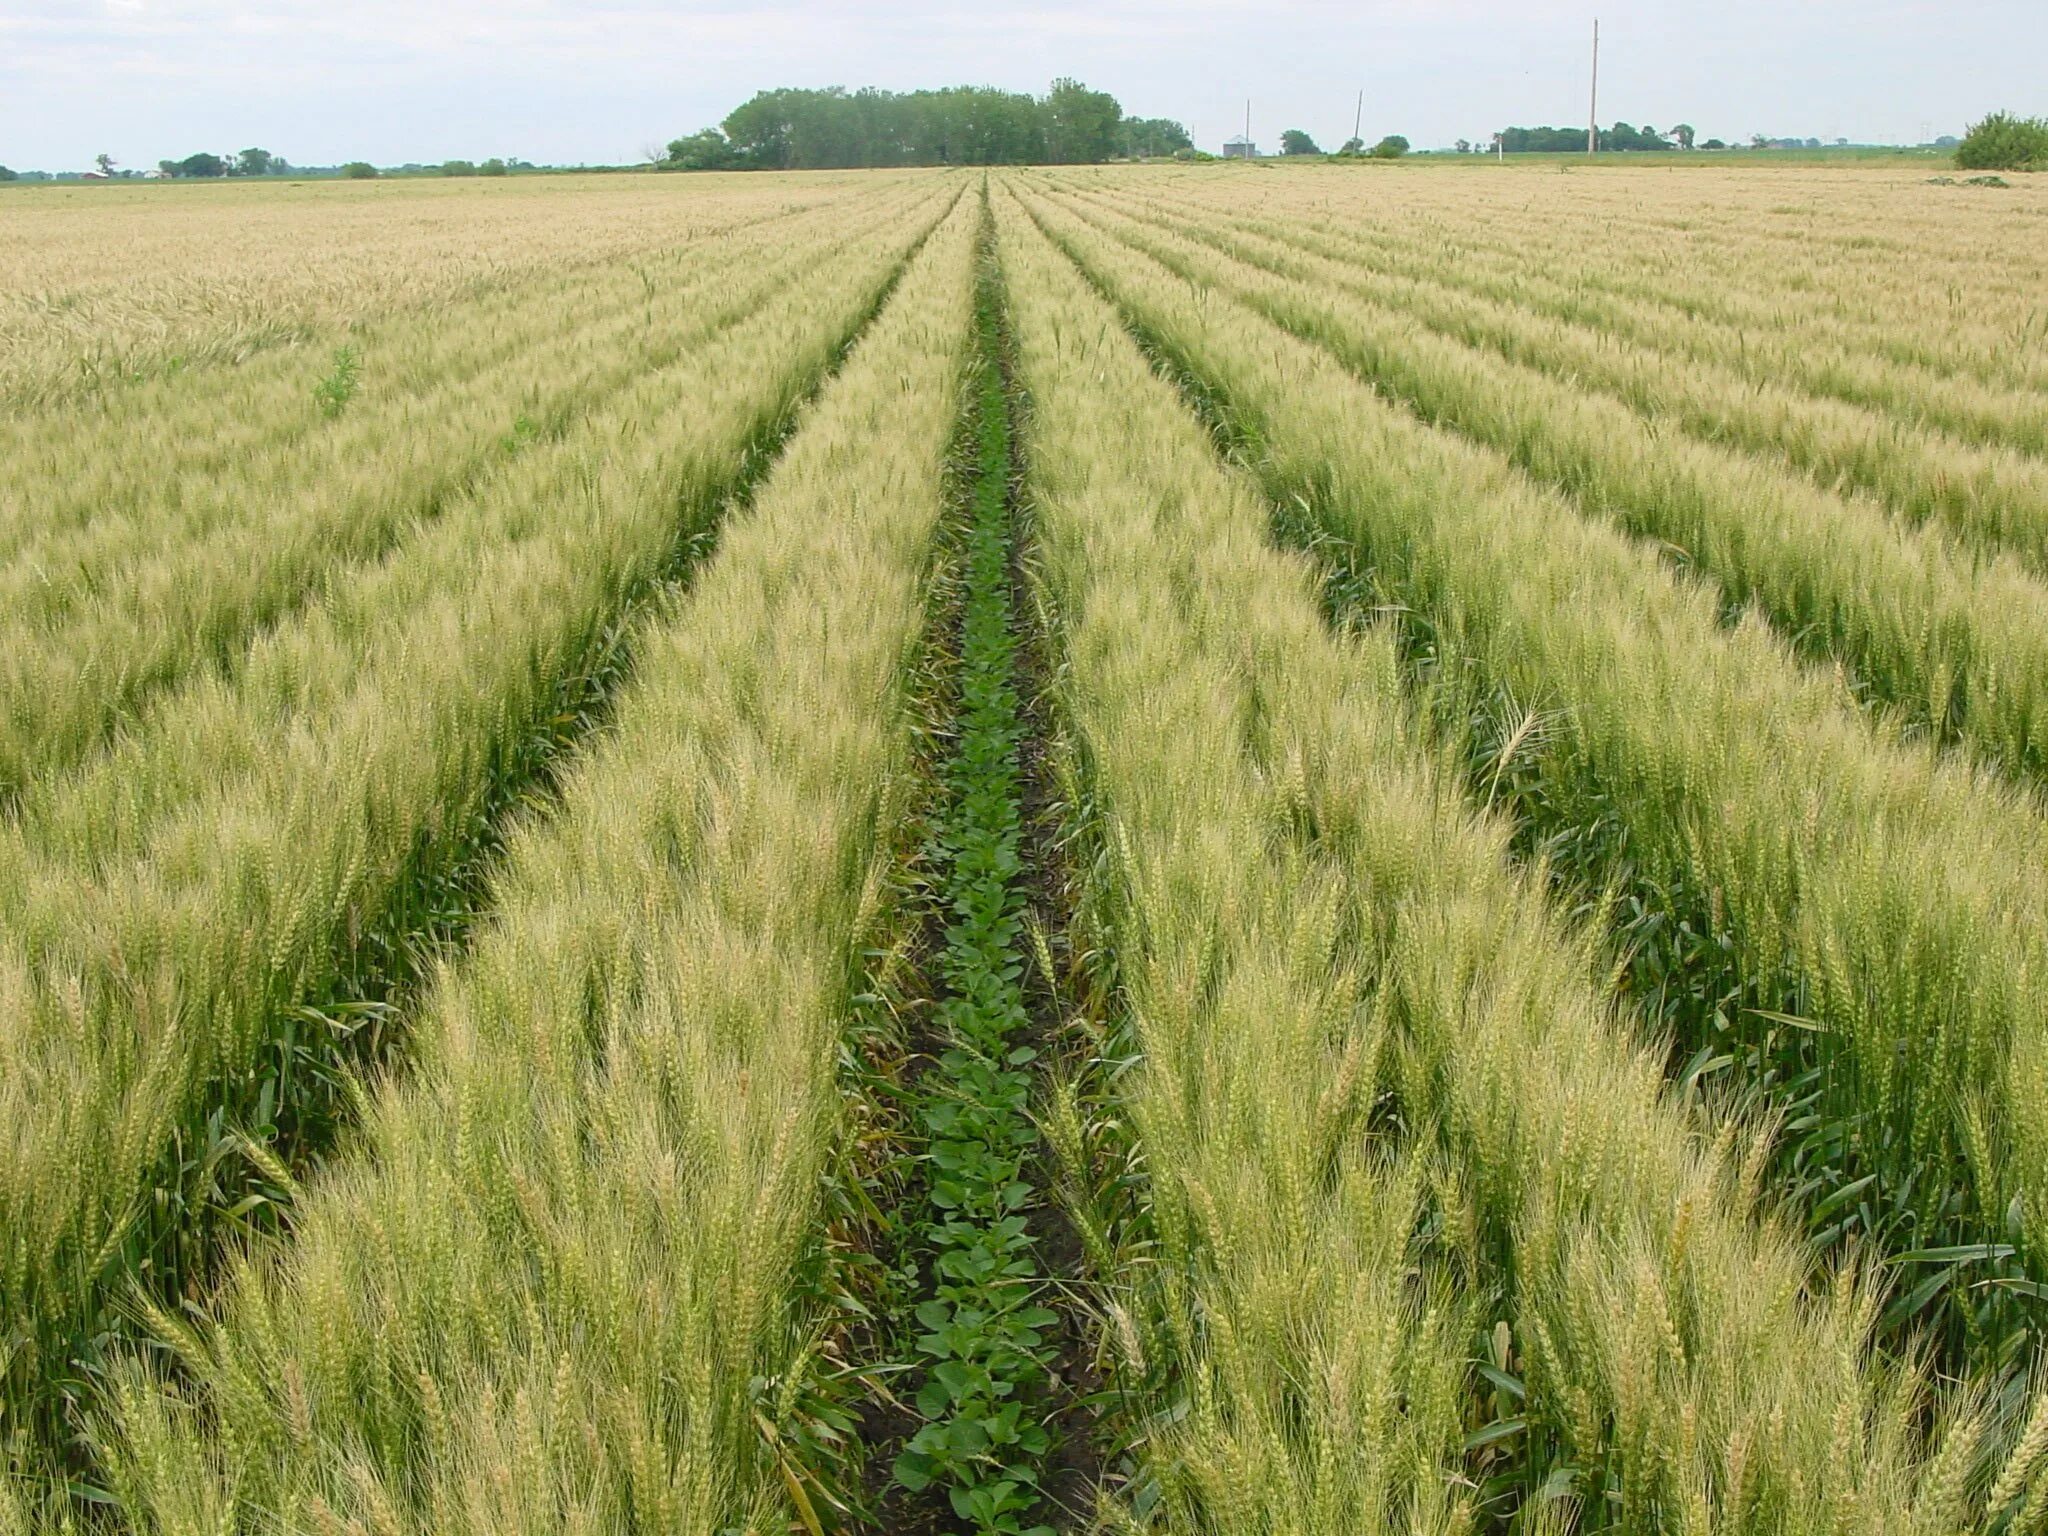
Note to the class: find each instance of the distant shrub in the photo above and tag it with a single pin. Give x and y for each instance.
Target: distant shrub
(1392, 147)
(458, 168)
(359, 170)
(491, 167)
(2003, 142)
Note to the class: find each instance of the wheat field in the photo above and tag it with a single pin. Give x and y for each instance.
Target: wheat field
(1186, 849)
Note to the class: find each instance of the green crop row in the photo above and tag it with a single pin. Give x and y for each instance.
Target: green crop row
(1949, 639)
(96, 619)
(1422, 1241)
(555, 1288)
(1992, 494)
(195, 922)
(977, 1333)
(1540, 263)
(1900, 893)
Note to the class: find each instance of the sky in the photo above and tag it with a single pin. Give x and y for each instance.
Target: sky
(560, 82)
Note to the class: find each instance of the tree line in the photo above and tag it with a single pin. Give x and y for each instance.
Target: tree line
(1622, 136)
(250, 162)
(831, 129)
(1296, 141)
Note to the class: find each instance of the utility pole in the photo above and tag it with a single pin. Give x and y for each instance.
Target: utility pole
(1247, 127)
(1358, 119)
(1593, 115)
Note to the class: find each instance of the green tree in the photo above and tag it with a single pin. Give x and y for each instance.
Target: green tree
(255, 162)
(1295, 142)
(1144, 137)
(1080, 124)
(1684, 133)
(7, 175)
(458, 168)
(201, 165)
(764, 129)
(1623, 136)
(1353, 147)
(359, 170)
(792, 129)
(491, 167)
(105, 163)
(2003, 142)
(1392, 147)
(705, 150)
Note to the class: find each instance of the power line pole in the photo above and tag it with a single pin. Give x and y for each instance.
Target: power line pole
(1247, 127)
(1593, 114)
(1358, 119)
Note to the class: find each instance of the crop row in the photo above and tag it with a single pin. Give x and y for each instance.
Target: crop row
(112, 292)
(132, 598)
(1422, 1240)
(1949, 639)
(974, 1327)
(156, 440)
(195, 920)
(1653, 301)
(1995, 495)
(1866, 268)
(263, 418)
(553, 1292)
(1885, 899)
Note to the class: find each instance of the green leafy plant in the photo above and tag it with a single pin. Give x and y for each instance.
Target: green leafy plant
(524, 434)
(984, 1361)
(333, 393)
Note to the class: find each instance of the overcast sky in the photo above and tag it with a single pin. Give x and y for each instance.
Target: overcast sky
(565, 82)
